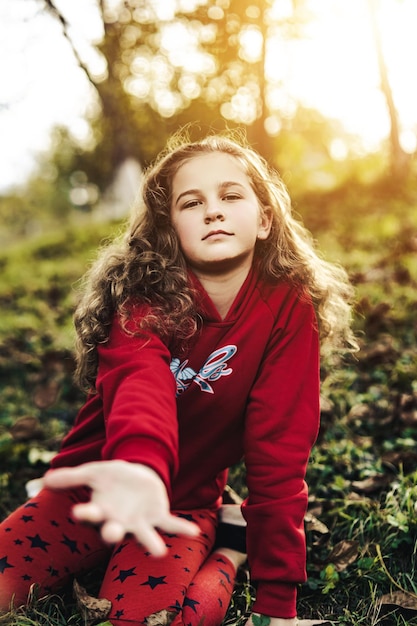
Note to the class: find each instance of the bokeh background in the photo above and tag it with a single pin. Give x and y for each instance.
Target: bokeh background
(325, 89)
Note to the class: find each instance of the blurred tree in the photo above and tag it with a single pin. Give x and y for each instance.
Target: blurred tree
(201, 61)
(45, 198)
(400, 161)
(125, 127)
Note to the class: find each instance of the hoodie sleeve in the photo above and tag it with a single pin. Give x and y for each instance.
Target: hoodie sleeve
(137, 391)
(282, 424)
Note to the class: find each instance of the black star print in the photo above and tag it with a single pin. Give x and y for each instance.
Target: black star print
(27, 518)
(186, 516)
(26, 577)
(154, 581)
(4, 564)
(33, 505)
(186, 569)
(37, 542)
(7, 530)
(70, 521)
(168, 545)
(119, 614)
(28, 559)
(220, 560)
(125, 573)
(120, 596)
(52, 571)
(177, 556)
(170, 535)
(54, 523)
(71, 544)
(191, 604)
(176, 606)
(225, 574)
(18, 542)
(119, 549)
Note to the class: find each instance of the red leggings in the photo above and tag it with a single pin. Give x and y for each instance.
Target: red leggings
(41, 543)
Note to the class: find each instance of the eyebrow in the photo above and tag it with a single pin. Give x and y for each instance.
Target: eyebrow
(187, 193)
(222, 186)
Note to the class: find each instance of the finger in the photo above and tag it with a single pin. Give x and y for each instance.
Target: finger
(88, 512)
(66, 477)
(150, 539)
(172, 524)
(112, 531)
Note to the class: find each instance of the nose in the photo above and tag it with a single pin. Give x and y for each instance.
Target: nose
(213, 212)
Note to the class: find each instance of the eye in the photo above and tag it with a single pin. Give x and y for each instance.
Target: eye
(190, 204)
(230, 197)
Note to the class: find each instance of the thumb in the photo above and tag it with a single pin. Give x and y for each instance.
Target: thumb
(65, 477)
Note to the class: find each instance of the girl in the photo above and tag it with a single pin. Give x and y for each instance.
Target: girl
(198, 340)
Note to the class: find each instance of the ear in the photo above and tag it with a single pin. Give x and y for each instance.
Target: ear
(265, 223)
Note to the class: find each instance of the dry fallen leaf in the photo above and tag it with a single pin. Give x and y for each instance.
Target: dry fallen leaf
(92, 609)
(405, 459)
(408, 409)
(46, 393)
(315, 525)
(372, 484)
(26, 428)
(161, 618)
(343, 554)
(400, 599)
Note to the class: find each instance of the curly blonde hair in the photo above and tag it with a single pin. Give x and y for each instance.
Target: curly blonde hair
(147, 265)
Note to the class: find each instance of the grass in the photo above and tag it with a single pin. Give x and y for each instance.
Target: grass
(362, 525)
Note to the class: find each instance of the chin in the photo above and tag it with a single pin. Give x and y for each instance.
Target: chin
(224, 265)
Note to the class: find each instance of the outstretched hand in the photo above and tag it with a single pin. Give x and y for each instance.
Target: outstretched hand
(125, 498)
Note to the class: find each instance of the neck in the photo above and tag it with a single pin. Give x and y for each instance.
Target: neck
(223, 288)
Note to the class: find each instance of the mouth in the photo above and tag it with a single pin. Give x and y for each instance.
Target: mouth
(216, 232)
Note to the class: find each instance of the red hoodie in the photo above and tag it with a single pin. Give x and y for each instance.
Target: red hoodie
(246, 387)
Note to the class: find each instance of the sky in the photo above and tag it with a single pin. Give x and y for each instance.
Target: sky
(333, 69)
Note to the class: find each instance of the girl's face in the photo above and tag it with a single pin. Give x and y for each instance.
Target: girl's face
(216, 213)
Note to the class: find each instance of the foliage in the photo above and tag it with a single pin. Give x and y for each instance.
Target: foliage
(72, 181)
(361, 523)
(149, 88)
(38, 295)
(201, 62)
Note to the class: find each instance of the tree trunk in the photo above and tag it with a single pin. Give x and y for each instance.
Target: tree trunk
(257, 134)
(399, 160)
